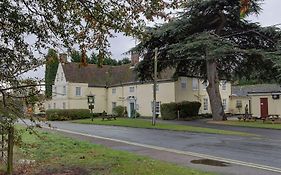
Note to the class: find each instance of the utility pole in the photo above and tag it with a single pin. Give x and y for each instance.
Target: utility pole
(154, 87)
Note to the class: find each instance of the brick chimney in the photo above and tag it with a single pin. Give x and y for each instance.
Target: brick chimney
(63, 57)
(135, 58)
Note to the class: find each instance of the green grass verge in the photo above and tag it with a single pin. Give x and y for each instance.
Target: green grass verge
(254, 124)
(140, 123)
(57, 154)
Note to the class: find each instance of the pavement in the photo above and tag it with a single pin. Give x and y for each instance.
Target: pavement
(241, 155)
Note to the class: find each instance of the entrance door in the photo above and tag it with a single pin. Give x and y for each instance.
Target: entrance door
(132, 109)
(264, 107)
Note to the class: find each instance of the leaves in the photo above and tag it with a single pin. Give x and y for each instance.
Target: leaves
(241, 48)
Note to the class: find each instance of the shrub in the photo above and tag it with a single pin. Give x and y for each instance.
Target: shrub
(168, 111)
(187, 110)
(68, 114)
(119, 111)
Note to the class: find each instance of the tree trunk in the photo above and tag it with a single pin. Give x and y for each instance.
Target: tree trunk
(213, 90)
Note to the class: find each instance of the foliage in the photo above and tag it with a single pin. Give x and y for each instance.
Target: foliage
(52, 63)
(93, 59)
(68, 114)
(186, 109)
(212, 33)
(119, 111)
(169, 111)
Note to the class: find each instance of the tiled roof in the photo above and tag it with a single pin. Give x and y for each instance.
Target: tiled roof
(259, 88)
(104, 76)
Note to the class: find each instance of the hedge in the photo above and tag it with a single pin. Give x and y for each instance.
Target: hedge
(168, 111)
(68, 114)
(187, 110)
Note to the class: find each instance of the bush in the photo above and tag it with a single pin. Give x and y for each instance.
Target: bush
(187, 110)
(119, 111)
(68, 114)
(168, 111)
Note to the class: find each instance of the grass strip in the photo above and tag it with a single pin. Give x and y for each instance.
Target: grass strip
(54, 154)
(253, 124)
(140, 123)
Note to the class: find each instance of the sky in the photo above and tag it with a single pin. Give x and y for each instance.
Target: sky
(270, 15)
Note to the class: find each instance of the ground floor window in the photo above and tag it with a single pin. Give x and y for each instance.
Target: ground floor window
(224, 104)
(205, 104)
(63, 105)
(114, 104)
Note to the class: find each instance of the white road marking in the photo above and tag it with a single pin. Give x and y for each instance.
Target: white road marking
(199, 155)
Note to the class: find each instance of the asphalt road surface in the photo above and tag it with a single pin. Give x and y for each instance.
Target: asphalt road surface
(246, 155)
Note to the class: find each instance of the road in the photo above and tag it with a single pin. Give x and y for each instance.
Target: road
(258, 152)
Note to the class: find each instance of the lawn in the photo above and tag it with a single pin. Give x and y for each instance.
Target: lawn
(254, 124)
(140, 123)
(55, 154)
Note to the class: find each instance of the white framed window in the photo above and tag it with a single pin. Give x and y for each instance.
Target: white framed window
(63, 105)
(64, 90)
(205, 104)
(131, 89)
(54, 105)
(195, 84)
(49, 106)
(61, 76)
(114, 104)
(78, 91)
(57, 77)
(183, 83)
(113, 90)
(223, 85)
(238, 104)
(224, 104)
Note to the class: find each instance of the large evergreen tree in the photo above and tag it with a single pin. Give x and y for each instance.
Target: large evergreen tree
(51, 68)
(76, 57)
(210, 40)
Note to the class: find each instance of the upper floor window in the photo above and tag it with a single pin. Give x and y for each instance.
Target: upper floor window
(223, 85)
(195, 85)
(64, 90)
(131, 89)
(114, 91)
(57, 76)
(78, 91)
(183, 83)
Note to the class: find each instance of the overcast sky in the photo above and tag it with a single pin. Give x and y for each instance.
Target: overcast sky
(270, 15)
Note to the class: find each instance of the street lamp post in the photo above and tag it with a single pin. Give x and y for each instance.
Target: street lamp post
(91, 103)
